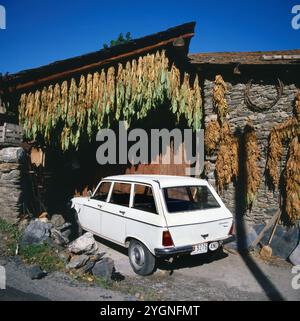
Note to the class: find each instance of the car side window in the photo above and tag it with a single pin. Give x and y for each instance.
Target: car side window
(120, 194)
(102, 192)
(143, 198)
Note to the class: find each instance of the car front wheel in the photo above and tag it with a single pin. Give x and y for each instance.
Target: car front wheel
(141, 259)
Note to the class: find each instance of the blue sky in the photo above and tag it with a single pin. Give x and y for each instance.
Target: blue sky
(42, 31)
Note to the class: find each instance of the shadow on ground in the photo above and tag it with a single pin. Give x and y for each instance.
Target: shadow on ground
(112, 245)
(11, 294)
(176, 263)
(189, 261)
(240, 193)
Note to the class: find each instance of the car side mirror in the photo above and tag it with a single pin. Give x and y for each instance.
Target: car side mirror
(89, 193)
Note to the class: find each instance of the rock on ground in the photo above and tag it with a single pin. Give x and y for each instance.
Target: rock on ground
(57, 286)
(66, 234)
(64, 226)
(36, 273)
(84, 244)
(64, 256)
(88, 267)
(97, 257)
(57, 220)
(35, 233)
(58, 237)
(295, 256)
(104, 268)
(77, 261)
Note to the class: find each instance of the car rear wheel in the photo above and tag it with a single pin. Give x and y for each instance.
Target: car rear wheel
(141, 259)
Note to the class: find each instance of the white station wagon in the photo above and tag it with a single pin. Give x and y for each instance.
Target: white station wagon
(156, 216)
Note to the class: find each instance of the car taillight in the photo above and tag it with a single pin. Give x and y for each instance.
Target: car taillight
(231, 231)
(167, 239)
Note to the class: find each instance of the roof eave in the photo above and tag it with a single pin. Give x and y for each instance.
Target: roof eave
(66, 68)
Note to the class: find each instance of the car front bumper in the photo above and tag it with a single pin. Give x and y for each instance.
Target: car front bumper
(172, 251)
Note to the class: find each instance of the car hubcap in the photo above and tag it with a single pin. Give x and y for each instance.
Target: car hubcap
(137, 256)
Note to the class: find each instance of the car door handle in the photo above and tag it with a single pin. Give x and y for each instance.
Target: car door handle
(122, 212)
(99, 205)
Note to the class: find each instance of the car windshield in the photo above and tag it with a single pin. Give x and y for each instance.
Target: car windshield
(189, 198)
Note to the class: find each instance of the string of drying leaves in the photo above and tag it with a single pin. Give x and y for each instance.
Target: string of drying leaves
(219, 97)
(218, 133)
(73, 109)
(227, 164)
(227, 159)
(286, 133)
(252, 156)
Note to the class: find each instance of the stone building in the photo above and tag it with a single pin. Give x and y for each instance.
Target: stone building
(269, 81)
(261, 87)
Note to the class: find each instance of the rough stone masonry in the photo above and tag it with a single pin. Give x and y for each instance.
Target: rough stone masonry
(12, 189)
(267, 202)
(238, 113)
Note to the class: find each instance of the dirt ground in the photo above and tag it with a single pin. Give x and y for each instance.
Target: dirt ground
(223, 276)
(56, 286)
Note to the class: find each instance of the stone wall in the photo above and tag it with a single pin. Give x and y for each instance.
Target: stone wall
(12, 183)
(238, 113)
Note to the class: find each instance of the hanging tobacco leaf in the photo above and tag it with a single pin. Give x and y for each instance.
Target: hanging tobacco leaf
(280, 134)
(219, 97)
(89, 91)
(227, 159)
(64, 100)
(292, 181)
(129, 92)
(212, 136)
(297, 106)
(274, 157)
(252, 155)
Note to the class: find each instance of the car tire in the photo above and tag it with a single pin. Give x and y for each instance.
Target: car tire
(141, 259)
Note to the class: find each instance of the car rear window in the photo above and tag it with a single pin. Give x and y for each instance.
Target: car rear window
(144, 199)
(120, 194)
(189, 198)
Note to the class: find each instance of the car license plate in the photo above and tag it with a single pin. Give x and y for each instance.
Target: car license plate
(199, 248)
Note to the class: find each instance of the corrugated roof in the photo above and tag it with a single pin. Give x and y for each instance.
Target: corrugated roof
(247, 58)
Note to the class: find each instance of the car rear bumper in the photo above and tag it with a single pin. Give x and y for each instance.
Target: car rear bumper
(171, 251)
(229, 239)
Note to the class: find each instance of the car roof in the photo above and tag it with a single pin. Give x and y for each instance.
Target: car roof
(162, 180)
